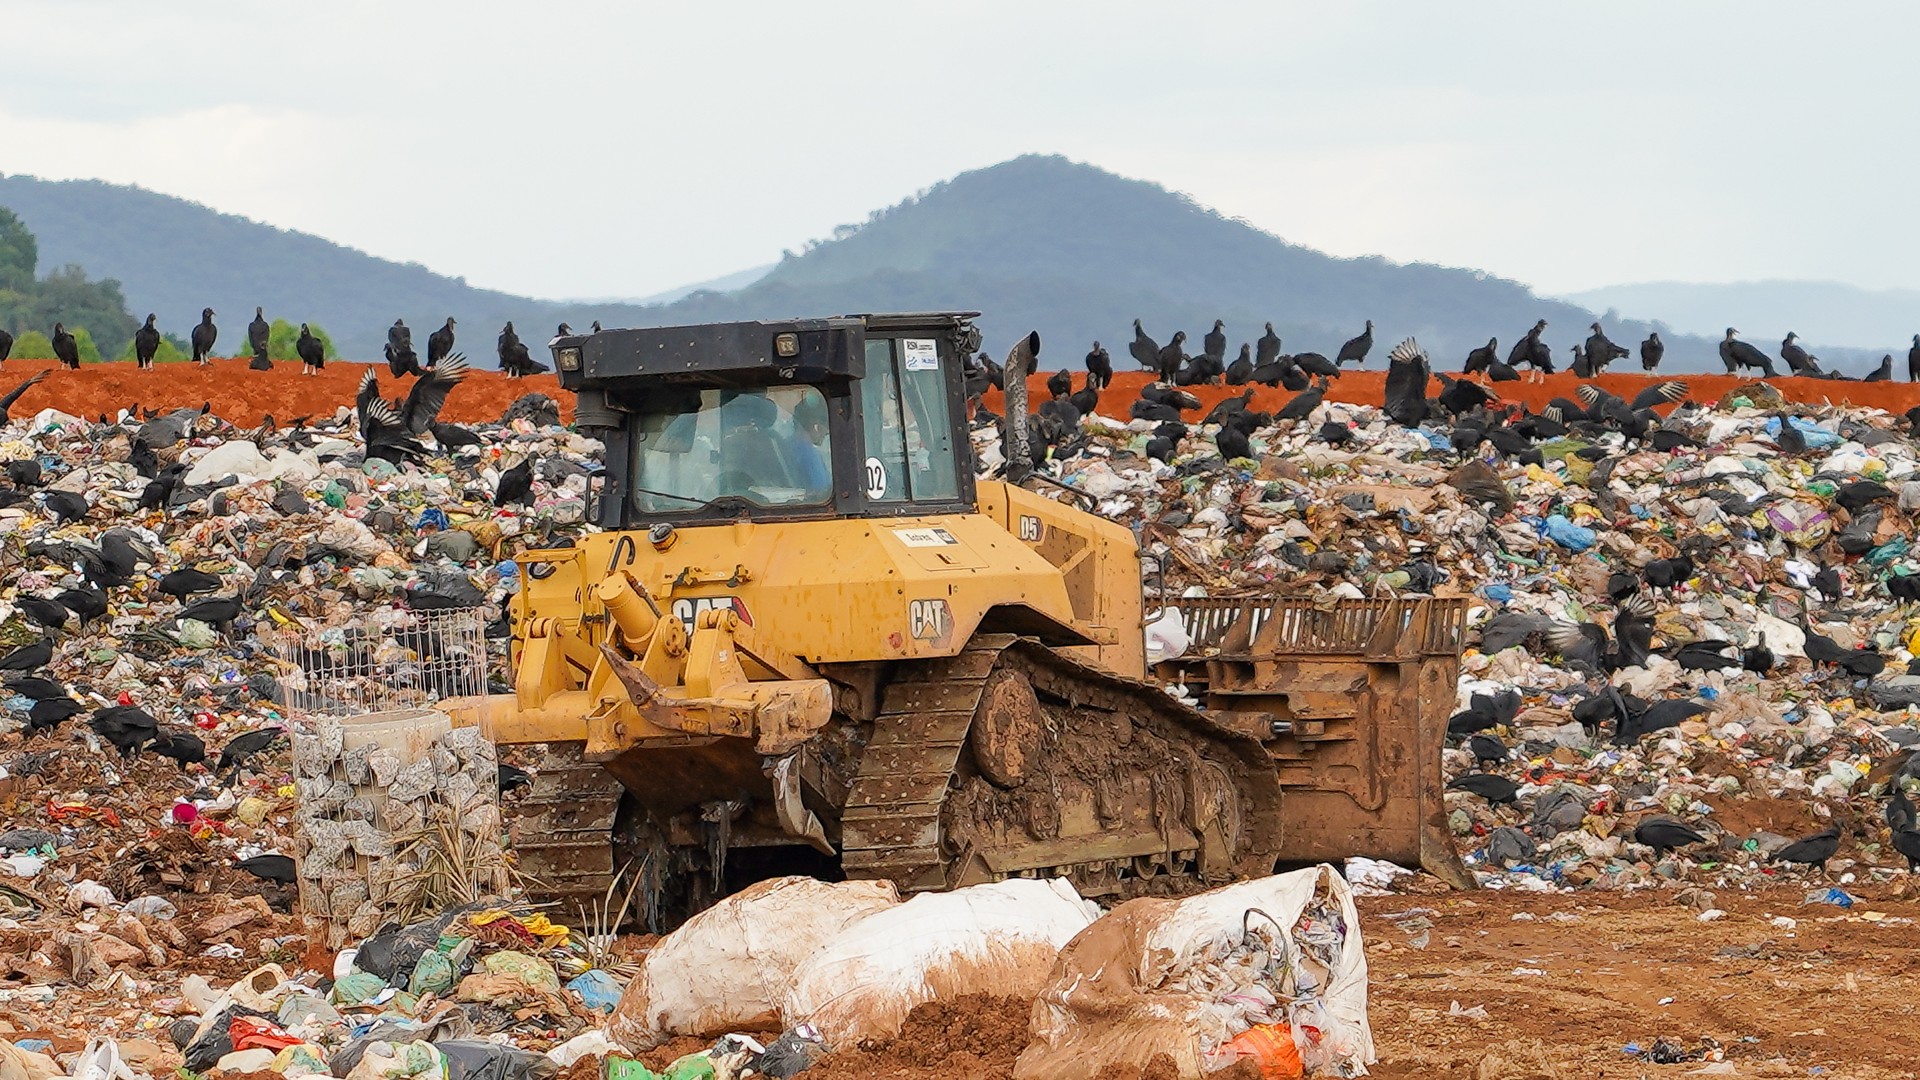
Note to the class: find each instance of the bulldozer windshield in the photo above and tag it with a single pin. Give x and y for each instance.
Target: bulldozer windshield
(767, 446)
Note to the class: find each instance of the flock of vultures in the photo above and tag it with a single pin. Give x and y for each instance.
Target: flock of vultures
(402, 359)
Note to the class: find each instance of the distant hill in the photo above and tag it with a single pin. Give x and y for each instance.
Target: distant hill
(1078, 253)
(1821, 311)
(1033, 243)
(174, 257)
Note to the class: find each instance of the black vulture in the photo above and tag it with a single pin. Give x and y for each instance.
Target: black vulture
(391, 429)
(401, 359)
(1532, 351)
(1601, 350)
(259, 335)
(1406, 389)
(1315, 364)
(1267, 349)
(1483, 357)
(278, 869)
(1663, 834)
(1659, 394)
(1586, 645)
(1486, 749)
(1651, 351)
(128, 727)
(183, 748)
(28, 657)
(440, 344)
(1099, 367)
(203, 337)
(1228, 409)
(1145, 351)
(1240, 372)
(65, 506)
(1232, 440)
(1494, 789)
(65, 348)
(1913, 360)
(1215, 342)
(515, 485)
(1356, 349)
(1301, 405)
(6, 344)
(1798, 361)
(146, 343)
(1737, 354)
(313, 354)
(1172, 358)
(240, 748)
(1060, 384)
(1813, 850)
(1883, 373)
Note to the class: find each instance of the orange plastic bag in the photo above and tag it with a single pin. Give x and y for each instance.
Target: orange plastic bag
(1271, 1048)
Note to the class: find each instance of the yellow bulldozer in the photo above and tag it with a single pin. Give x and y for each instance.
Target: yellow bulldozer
(806, 638)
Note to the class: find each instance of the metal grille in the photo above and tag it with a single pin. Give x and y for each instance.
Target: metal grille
(1421, 627)
(411, 661)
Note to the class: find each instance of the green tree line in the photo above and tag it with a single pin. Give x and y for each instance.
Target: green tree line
(96, 311)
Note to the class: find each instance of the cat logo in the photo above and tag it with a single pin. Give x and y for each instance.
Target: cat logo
(688, 609)
(929, 620)
(1032, 530)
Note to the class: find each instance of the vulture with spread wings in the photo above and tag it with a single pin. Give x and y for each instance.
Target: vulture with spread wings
(392, 429)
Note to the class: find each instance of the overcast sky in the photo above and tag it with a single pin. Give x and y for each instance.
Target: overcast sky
(620, 149)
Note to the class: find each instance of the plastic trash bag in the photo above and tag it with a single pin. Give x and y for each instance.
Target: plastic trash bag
(470, 1059)
(597, 990)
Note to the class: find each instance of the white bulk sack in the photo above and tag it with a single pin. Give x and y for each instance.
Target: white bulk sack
(998, 939)
(1184, 977)
(729, 967)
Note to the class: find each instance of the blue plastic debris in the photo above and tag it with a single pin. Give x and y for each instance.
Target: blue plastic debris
(597, 989)
(1833, 894)
(1568, 535)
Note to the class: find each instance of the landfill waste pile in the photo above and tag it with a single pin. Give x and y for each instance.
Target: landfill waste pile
(1693, 621)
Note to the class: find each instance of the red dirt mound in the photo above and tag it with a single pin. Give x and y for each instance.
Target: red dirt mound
(1366, 388)
(242, 397)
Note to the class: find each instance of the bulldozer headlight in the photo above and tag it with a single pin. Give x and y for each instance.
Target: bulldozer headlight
(786, 345)
(568, 358)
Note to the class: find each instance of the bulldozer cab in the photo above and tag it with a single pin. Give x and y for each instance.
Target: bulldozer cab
(857, 416)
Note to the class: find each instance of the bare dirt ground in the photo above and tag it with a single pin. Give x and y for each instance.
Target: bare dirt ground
(1567, 981)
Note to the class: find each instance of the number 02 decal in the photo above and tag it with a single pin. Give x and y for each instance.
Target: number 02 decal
(876, 479)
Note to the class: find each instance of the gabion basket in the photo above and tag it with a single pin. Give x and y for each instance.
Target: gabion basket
(411, 659)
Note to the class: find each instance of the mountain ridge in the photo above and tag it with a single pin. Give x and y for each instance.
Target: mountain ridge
(1036, 242)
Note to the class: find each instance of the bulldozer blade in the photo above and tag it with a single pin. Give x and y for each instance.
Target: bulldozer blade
(1351, 701)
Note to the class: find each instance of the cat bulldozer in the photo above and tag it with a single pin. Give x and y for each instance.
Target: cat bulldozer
(807, 638)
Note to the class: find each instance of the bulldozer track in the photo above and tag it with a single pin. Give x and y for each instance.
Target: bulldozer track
(563, 828)
(971, 775)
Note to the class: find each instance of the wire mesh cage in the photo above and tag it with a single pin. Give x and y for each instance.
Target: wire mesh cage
(407, 659)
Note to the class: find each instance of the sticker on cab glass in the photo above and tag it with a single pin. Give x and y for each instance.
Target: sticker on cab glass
(920, 354)
(929, 620)
(876, 479)
(920, 538)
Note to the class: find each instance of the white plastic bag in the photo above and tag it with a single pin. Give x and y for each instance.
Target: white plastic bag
(728, 968)
(986, 939)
